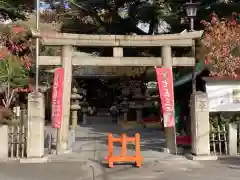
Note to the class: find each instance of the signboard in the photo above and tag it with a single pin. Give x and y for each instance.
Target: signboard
(107, 71)
(57, 96)
(165, 86)
(223, 96)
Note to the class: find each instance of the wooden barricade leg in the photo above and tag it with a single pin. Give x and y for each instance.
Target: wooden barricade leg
(138, 155)
(124, 145)
(110, 150)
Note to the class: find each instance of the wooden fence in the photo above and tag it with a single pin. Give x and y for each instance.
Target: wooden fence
(238, 138)
(225, 139)
(17, 136)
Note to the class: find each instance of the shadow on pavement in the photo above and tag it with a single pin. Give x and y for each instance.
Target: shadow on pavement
(97, 129)
(232, 162)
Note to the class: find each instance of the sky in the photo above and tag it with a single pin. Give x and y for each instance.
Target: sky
(45, 6)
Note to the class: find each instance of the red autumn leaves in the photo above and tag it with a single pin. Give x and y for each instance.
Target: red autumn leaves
(16, 47)
(221, 37)
(15, 43)
(5, 50)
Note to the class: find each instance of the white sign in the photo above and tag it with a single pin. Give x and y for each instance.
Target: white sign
(223, 96)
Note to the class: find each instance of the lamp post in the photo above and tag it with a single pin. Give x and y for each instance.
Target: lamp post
(37, 44)
(191, 10)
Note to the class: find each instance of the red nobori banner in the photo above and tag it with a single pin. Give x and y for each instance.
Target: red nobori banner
(165, 87)
(57, 97)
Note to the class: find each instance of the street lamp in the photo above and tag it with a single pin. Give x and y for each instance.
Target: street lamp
(191, 10)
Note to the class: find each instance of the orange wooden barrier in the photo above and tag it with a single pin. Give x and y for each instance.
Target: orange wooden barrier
(124, 158)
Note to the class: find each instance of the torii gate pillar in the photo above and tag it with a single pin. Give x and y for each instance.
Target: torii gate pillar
(170, 134)
(66, 61)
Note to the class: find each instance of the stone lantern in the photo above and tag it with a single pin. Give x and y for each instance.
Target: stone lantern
(125, 104)
(138, 98)
(84, 106)
(124, 108)
(75, 107)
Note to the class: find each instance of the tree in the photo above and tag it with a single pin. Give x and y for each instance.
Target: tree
(122, 16)
(15, 62)
(221, 45)
(102, 17)
(5, 115)
(16, 9)
(117, 17)
(13, 75)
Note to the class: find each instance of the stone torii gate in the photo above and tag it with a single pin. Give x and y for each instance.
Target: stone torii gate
(117, 42)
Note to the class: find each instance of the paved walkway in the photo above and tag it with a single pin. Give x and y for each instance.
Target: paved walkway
(180, 169)
(168, 169)
(89, 152)
(91, 139)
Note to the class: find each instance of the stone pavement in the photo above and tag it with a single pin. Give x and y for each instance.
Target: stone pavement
(90, 150)
(165, 169)
(48, 171)
(91, 139)
(180, 169)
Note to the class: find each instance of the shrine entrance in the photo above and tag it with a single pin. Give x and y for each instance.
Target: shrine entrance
(69, 58)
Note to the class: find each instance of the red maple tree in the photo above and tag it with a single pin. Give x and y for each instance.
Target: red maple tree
(221, 43)
(15, 55)
(16, 41)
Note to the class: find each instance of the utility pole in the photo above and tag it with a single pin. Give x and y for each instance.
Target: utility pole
(37, 44)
